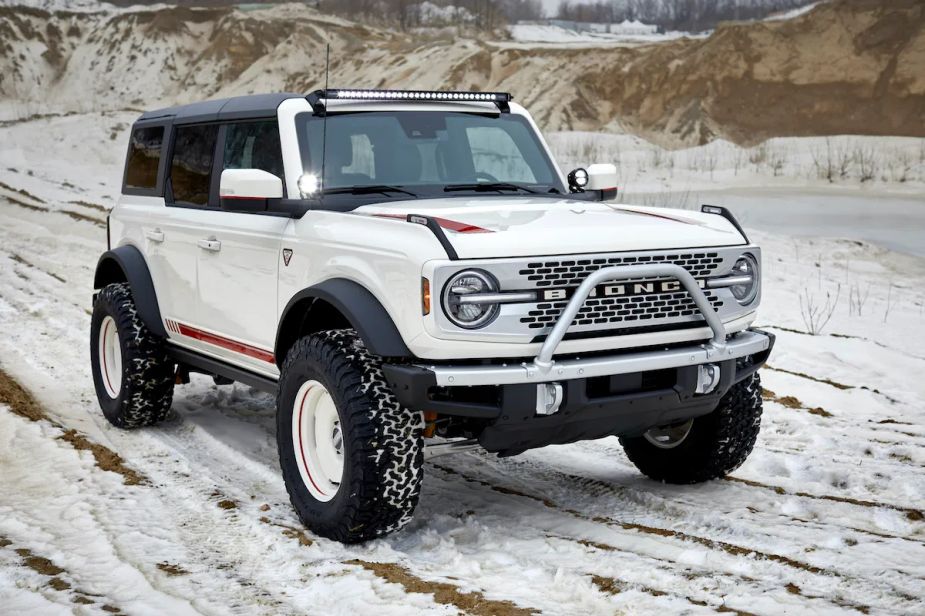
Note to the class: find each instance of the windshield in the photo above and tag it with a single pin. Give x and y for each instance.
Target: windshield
(426, 152)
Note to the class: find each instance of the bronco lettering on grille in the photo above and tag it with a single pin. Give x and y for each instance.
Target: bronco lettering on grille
(619, 289)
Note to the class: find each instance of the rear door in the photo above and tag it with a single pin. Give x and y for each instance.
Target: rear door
(171, 237)
(238, 265)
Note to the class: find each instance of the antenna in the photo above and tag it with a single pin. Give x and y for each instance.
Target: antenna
(324, 121)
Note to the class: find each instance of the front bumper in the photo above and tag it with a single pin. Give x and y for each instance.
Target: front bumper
(623, 394)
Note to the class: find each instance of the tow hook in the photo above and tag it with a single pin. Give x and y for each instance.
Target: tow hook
(548, 398)
(707, 378)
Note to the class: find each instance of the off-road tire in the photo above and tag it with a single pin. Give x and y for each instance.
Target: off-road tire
(716, 445)
(383, 445)
(146, 391)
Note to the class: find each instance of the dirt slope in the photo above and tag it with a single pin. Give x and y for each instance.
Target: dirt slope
(854, 66)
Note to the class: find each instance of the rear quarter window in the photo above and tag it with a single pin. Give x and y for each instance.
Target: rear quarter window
(144, 157)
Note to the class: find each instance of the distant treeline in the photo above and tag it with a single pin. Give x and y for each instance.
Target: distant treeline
(684, 15)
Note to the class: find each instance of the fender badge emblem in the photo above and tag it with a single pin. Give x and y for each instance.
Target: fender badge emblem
(287, 256)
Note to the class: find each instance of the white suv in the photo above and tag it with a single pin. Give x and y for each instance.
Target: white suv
(412, 274)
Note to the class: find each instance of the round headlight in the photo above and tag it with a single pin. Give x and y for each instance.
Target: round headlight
(463, 309)
(745, 267)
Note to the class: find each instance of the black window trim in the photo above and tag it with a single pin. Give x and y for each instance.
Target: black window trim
(213, 202)
(218, 160)
(158, 190)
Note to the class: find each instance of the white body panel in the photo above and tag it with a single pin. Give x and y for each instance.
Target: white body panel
(239, 291)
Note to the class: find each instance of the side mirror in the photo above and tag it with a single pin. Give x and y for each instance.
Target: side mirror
(248, 190)
(600, 178)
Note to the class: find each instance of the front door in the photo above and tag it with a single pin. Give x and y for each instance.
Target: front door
(240, 255)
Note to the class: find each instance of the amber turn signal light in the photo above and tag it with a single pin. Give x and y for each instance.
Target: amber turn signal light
(425, 296)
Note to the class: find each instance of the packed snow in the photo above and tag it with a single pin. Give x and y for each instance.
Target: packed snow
(826, 516)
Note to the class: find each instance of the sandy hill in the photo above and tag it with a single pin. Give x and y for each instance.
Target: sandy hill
(854, 66)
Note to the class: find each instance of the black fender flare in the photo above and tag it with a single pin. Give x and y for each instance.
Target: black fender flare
(360, 307)
(128, 264)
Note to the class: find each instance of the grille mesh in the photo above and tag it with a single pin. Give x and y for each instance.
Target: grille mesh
(610, 310)
(572, 272)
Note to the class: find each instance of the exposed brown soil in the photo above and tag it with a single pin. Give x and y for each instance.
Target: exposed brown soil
(39, 564)
(469, 602)
(22, 403)
(58, 584)
(791, 402)
(914, 515)
(18, 399)
(106, 459)
(834, 384)
(227, 504)
(171, 569)
(291, 532)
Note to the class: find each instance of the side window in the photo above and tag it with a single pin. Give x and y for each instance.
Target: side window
(191, 163)
(144, 156)
(254, 145)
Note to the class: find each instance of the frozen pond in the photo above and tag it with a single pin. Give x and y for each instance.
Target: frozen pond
(894, 221)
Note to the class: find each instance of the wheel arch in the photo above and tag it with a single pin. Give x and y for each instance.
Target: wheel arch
(127, 264)
(338, 303)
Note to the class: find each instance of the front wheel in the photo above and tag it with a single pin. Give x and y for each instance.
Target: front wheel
(351, 456)
(704, 448)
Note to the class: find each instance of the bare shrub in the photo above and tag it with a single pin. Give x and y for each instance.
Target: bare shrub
(816, 316)
(831, 162)
(777, 160)
(898, 166)
(738, 161)
(857, 300)
(866, 162)
(758, 155)
(889, 302)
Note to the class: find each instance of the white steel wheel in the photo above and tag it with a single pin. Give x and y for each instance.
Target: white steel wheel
(669, 437)
(110, 350)
(318, 440)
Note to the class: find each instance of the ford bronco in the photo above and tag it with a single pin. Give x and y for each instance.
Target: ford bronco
(411, 274)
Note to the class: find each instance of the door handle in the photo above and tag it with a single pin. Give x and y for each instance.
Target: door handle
(155, 236)
(210, 244)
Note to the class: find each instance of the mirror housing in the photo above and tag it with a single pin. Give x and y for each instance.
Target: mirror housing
(598, 182)
(248, 190)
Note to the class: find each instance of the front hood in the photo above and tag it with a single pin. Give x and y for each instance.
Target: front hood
(487, 227)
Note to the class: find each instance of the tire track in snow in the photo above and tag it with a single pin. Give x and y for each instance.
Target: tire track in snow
(710, 543)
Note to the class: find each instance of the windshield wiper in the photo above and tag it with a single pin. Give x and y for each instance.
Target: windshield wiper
(487, 186)
(365, 190)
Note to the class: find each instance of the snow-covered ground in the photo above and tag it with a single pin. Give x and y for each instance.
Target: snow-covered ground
(825, 517)
(551, 34)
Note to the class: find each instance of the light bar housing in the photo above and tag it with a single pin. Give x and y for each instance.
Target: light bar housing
(501, 99)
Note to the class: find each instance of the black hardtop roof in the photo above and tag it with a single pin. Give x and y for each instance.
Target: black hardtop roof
(235, 108)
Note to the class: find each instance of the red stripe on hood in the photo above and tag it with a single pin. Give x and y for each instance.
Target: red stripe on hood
(446, 223)
(683, 221)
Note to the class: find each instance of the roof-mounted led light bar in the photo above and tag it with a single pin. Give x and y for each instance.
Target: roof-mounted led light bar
(501, 99)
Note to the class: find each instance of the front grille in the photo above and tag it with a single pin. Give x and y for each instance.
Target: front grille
(573, 271)
(613, 311)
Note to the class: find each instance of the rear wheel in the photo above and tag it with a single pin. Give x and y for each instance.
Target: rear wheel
(132, 373)
(704, 448)
(351, 456)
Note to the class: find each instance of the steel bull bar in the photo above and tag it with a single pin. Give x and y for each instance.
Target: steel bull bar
(546, 370)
